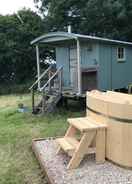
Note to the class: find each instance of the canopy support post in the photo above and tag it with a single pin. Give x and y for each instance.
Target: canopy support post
(38, 65)
(79, 68)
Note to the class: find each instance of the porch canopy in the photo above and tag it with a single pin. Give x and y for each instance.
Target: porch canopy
(55, 38)
(62, 36)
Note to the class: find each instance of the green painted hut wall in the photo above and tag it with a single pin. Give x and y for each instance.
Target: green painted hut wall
(121, 71)
(104, 69)
(62, 59)
(89, 55)
(113, 74)
(89, 58)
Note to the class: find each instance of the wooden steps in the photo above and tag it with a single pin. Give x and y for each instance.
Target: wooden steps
(68, 144)
(92, 140)
(51, 100)
(50, 88)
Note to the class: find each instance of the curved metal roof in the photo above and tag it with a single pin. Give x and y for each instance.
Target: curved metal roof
(60, 36)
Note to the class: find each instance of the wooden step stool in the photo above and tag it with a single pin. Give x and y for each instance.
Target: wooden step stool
(92, 140)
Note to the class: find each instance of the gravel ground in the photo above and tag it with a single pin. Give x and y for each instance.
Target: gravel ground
(88, 172)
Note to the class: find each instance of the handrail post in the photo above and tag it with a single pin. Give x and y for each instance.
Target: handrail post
(43, 102)
(33, 103)
(60, 80)
(52, 77)
(49, 81)
(79, 68)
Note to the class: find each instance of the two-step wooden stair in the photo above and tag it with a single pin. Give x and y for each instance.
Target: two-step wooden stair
(91, 140)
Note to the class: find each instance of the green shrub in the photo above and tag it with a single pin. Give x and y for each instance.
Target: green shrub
(14, 89)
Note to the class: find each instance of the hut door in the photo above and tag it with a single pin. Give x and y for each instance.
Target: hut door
(73, 68)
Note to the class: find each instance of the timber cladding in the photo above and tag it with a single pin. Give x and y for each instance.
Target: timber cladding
(115, 110)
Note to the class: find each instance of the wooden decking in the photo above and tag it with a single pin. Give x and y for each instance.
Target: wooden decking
(71, 94)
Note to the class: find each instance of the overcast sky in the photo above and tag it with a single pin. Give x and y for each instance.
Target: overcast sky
(11, 6)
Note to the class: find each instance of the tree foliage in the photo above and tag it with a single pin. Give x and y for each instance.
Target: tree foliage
(17, 56)
(109, 18)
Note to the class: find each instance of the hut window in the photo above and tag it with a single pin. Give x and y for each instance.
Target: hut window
(121, 53)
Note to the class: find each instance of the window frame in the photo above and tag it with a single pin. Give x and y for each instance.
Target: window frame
(124, 54)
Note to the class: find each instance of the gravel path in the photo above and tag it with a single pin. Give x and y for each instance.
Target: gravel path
(88, 173)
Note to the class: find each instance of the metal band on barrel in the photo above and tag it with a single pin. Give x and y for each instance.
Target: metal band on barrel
(111, 117)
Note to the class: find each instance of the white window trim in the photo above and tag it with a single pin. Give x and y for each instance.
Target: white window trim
(121, 59)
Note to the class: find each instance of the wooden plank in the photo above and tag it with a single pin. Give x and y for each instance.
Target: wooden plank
(98, 117)
(97, 102)
(85, 124)
(119, 95)
(50, 180)
(72, 141)
(100, 146)
(70, 131)
(120, 110)
(119, 144)
(67, 143)
(99, 124)
(81, 150)
(81, 125)
(64, 144)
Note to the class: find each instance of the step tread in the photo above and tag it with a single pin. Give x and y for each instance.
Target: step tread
(67, 143)
(86, 123)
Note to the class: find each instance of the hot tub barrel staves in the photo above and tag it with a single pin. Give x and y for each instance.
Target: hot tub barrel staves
(115, 110)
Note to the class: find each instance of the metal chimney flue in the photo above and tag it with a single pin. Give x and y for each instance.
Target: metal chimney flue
(69, 29)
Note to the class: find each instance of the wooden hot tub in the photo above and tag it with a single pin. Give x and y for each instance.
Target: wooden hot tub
(115, 110)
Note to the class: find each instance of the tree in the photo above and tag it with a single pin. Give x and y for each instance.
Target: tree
(17, 56)
(109, 18)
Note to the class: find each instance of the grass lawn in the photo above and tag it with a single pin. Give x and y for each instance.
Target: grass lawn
(17, 162)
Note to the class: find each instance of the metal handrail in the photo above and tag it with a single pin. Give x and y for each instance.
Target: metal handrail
(41, 76)
(53, 76)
